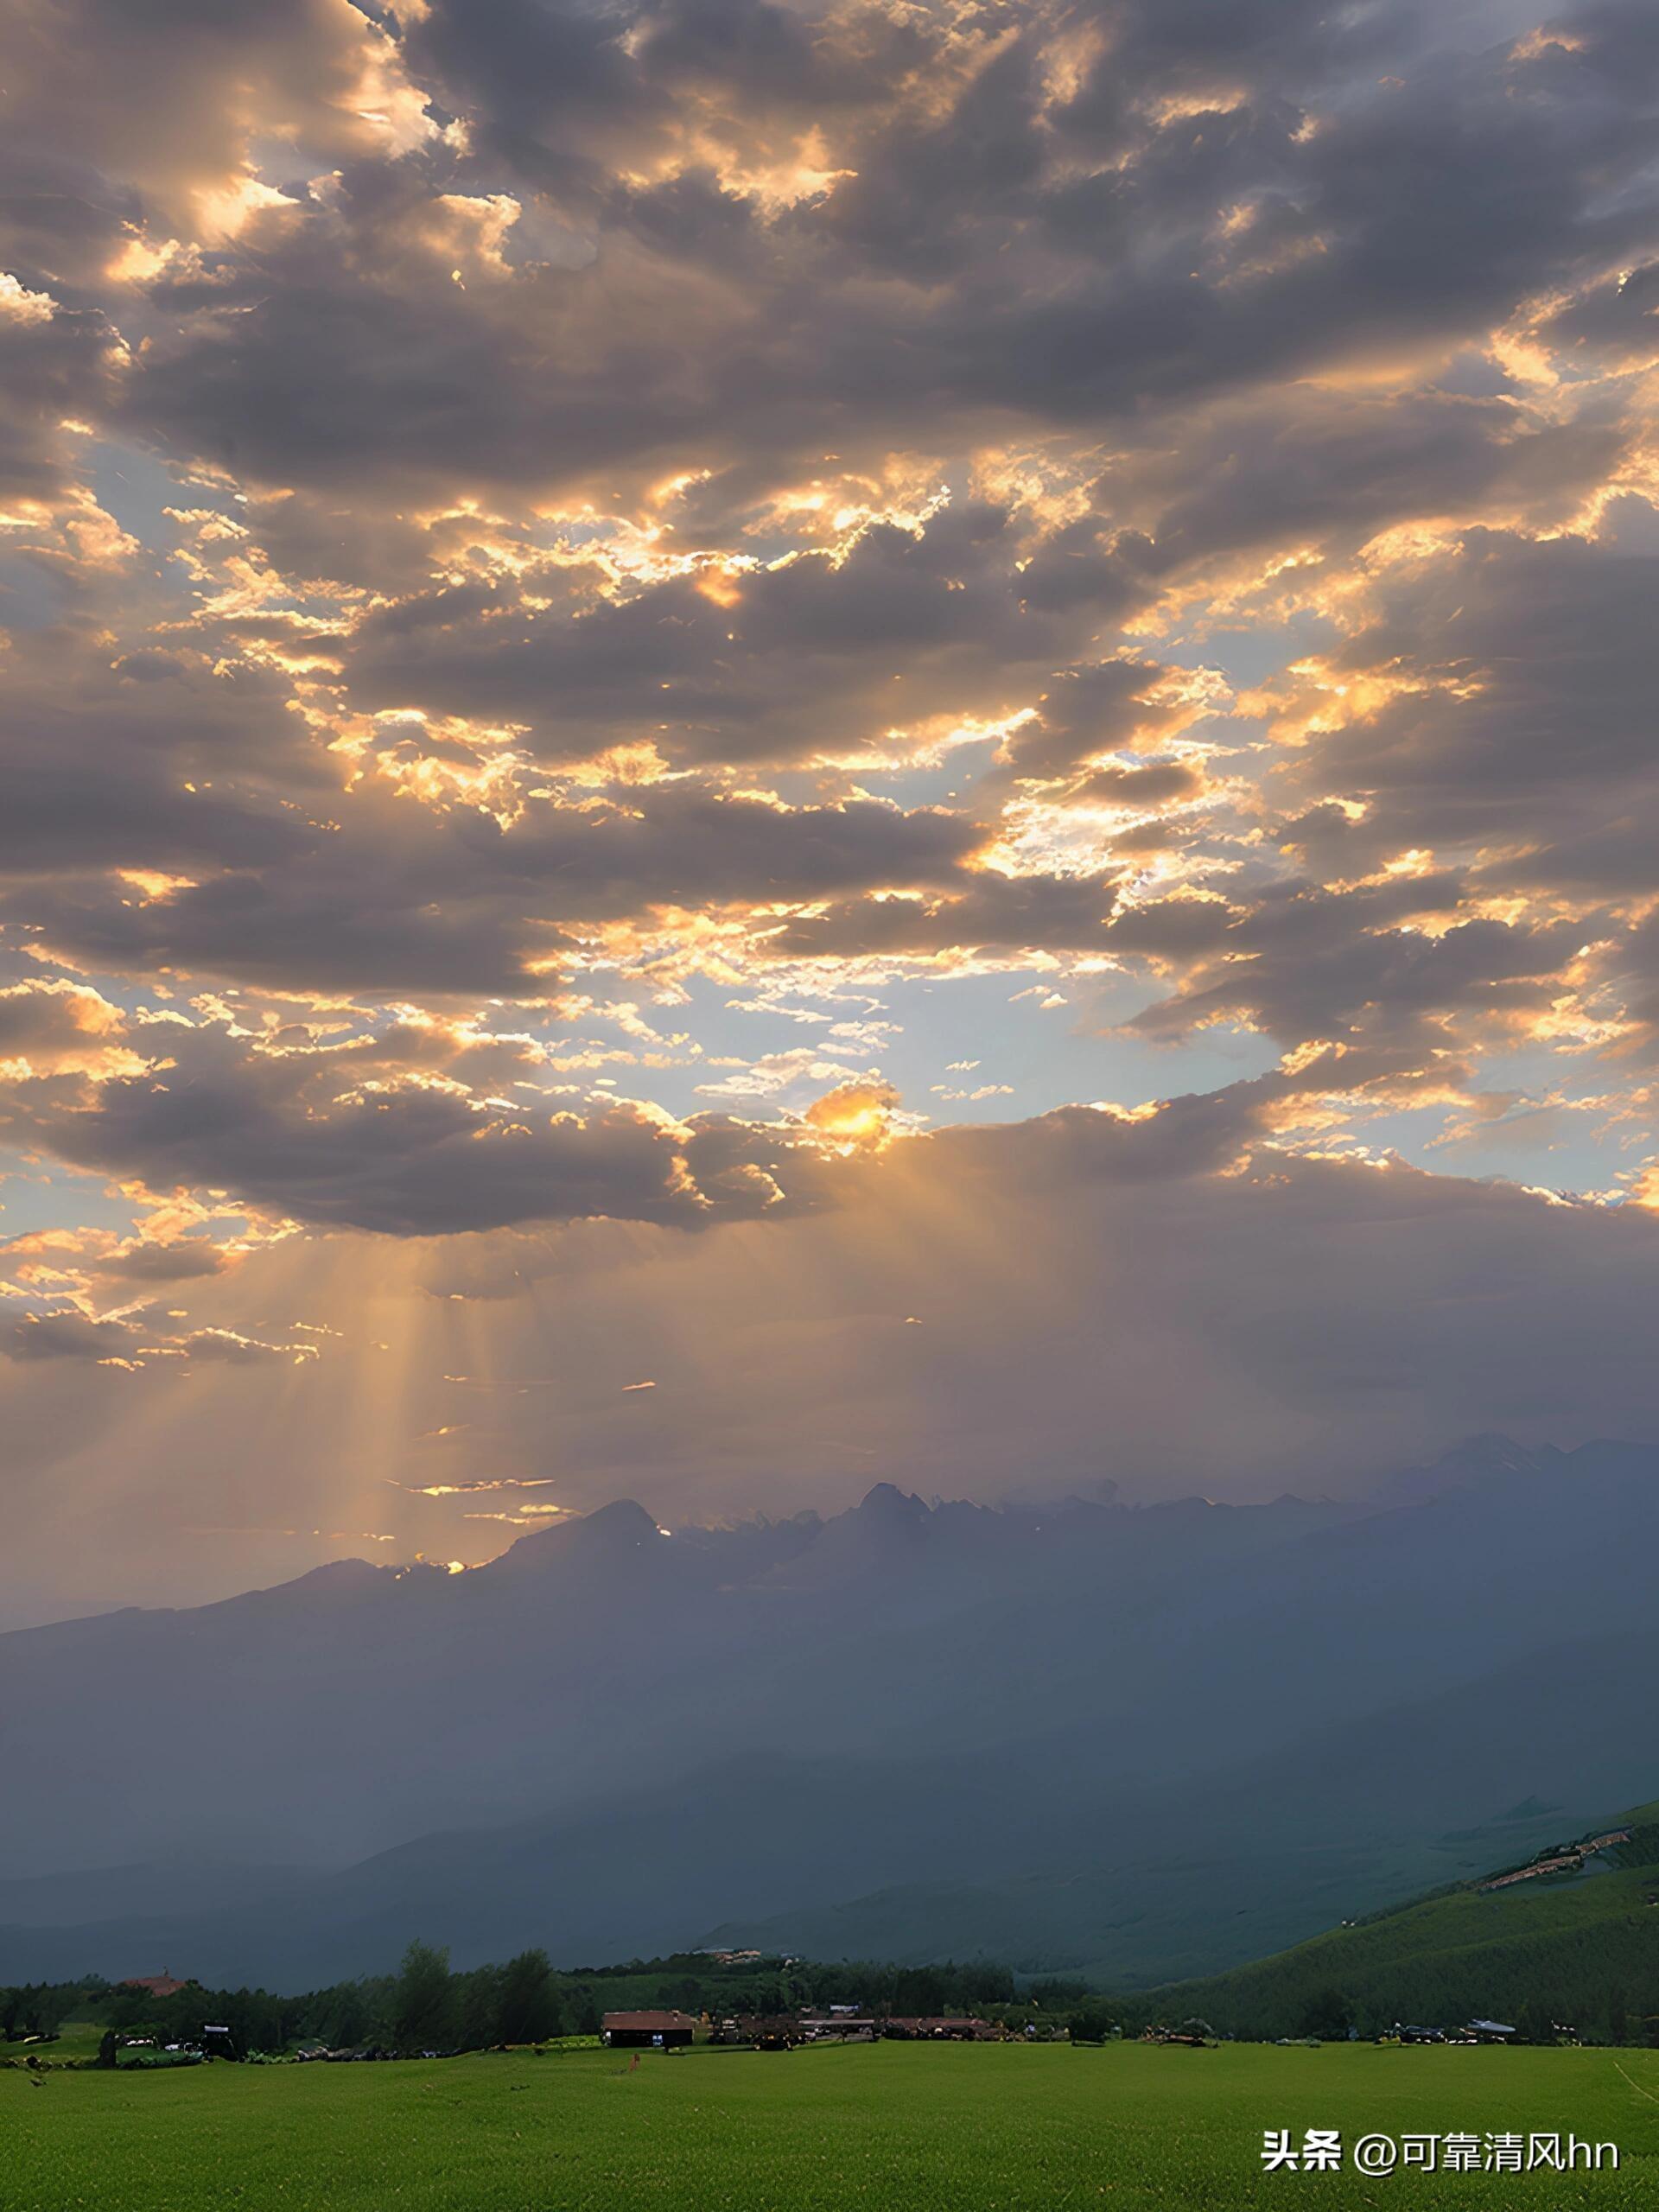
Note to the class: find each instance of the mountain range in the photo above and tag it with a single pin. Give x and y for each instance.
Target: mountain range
(1137, 1742)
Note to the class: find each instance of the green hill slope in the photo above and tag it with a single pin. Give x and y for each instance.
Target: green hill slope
(1581, 1947)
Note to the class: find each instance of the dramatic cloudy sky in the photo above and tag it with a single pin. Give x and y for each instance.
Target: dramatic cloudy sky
(751, 743)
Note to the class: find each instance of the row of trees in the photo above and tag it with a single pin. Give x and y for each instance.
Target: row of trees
(1599, 1980)
(432, 2009)
(424, 2006)
(427, 2006)
(40, 2008)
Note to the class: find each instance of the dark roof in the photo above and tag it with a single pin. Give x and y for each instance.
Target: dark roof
(648, 2023)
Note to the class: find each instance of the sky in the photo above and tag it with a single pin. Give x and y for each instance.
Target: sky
(751, 745)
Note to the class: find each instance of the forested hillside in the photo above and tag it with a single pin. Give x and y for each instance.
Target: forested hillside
(1575, 1949)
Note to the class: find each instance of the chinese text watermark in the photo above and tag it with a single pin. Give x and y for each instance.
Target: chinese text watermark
(1322, 2150)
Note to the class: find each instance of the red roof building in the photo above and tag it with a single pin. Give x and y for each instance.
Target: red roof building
(158, 1985)
(646, 2030)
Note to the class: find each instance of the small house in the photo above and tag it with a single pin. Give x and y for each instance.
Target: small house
(646, 2030)
(842, 2022)
(941, 2028)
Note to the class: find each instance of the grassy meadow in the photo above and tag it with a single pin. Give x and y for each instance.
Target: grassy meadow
(988, 2129)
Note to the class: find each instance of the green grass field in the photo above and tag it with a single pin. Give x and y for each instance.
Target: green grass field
(76, 2040)
(1003, 2129)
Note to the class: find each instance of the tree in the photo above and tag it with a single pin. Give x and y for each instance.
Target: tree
(1530, 2027)
(527, 2008)
(424, 2006)
(1327, 2015)
(347, 2019)
(918, 1993)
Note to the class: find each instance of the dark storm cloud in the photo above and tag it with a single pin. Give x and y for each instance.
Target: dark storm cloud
(1149, 786)
(1471, 783)
(564, 95)
(383, 1136)
(1414, 211)
(292, 1131)
(60, 219)
(51, 1021)
(322, 541)
(993, 914)
(180, 1259)
(554, 93)
(1615, 319)
(69, 1336)
(312, 923)
(55, 362)
(1306, 962)
(1522, 718)
(122, 1341)
(823, 653)
(99, 761)
(1423, 210)
(164, 98)
(1094, 709)
(396, 1133)
(346, 360)
(1312, 465)
(681, 844)
(399, 899)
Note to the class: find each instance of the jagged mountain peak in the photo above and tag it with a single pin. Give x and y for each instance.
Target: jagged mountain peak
(886, 1502)
(610, 1532)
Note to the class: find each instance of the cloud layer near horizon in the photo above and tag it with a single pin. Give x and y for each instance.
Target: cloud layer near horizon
(637, 637)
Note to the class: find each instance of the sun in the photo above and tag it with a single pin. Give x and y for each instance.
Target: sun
(855, 1116)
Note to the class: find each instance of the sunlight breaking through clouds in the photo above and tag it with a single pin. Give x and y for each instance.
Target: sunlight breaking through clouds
(612, 652)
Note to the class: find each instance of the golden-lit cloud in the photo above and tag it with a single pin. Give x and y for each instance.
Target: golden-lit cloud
(620, 641)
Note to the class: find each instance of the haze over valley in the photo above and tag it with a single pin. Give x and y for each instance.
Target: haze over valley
(1143, 1742)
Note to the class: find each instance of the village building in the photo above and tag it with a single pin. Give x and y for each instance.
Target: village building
(845, 2023)
(647, 2030)
(767, 2031)
(158, 1985)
